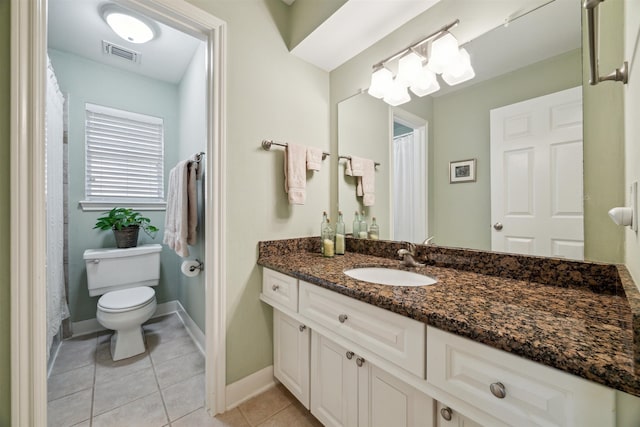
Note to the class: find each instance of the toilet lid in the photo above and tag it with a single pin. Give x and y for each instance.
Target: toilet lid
(126, 299)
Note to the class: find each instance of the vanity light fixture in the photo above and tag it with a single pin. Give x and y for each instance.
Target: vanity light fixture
(128, 26)
(418, 65)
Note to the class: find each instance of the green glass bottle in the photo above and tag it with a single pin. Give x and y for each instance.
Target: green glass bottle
(356, 226)
(362, 232)
(340, 232)
(374, 230)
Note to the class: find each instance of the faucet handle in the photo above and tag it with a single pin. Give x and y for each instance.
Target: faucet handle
(411, 248)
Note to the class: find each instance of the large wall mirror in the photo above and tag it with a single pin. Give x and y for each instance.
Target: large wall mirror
(517, 65)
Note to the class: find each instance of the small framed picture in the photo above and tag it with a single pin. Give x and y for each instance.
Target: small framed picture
(462, 171)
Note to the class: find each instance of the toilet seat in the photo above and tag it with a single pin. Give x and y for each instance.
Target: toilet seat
(126, 299)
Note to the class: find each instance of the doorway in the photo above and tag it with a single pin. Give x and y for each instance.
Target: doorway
(28, 351)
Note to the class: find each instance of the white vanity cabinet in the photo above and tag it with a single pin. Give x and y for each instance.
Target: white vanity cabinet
(347, 390)
(291, 344)
(514, 390)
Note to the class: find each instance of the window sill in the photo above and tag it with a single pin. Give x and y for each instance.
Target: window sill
(93, 206)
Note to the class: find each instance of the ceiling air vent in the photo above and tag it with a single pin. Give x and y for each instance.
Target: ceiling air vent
(121, 52)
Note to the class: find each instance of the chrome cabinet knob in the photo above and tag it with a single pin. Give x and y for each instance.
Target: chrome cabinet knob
(275, 287)
(302, 328)
(498, 390)
(350, 355)
(342, 318)
(498, 226)
(446, 413)
(359, 361)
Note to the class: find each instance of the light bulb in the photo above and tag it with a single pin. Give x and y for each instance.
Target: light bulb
(460, 70)
(381, 81)
(409, 67)
(443, 51)
(397, 94)
(129, 28)
(426, 83)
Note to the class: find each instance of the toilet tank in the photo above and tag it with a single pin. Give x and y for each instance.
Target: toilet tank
(112, 269)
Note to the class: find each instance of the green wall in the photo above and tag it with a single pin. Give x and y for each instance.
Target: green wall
(5, 242)
(87, 81)
(454, 223)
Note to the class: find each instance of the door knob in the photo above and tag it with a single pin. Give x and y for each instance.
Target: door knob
(497, 226)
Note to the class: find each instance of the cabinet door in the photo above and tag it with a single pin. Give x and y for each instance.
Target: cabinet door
(334, 383)
(447, 417)
(392, 402)
(291, 355)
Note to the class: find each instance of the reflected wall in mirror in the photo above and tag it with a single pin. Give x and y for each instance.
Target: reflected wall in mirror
(513, 64)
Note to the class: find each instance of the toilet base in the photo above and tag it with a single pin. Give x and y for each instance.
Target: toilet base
(127, 343)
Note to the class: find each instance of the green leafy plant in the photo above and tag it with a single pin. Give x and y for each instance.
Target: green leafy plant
(119, 218)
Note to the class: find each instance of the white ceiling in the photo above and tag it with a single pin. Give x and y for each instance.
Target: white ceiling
(76, 26)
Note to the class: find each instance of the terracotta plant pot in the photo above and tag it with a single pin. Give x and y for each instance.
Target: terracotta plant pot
(127, 237)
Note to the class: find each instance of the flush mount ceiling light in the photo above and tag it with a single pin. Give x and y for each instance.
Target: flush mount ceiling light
(130, 27)
(418, 65)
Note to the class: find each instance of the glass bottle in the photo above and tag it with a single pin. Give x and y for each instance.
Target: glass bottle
(340, 231)
(328, 240)
(374, 230)
(356, 226)
(323, 224)
(362, 232)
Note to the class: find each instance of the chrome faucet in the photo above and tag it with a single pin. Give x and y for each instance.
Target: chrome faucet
(428, 240)
(407, 256)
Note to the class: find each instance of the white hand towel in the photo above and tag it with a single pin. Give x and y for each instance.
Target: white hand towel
(295, 173)
(357, 169)
(314, 158)
(181, 216)
(368, 180)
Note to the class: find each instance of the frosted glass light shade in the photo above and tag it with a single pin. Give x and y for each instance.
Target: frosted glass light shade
(426, 83)
(409, 67)
(460, 70)
(381, 82)
(129, 28)
(443, 51)
(397, 94)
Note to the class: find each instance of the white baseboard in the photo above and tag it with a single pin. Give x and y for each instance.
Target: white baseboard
(192, 328)
(252, 385)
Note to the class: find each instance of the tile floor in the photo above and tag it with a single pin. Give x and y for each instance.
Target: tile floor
(162, 387)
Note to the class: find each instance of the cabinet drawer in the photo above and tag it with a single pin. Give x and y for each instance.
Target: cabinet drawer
(280, 290)
(534, 394)
(396, 338)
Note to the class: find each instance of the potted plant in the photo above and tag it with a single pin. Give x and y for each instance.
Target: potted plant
(126, 225)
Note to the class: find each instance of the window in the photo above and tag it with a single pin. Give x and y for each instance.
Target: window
(124, 163)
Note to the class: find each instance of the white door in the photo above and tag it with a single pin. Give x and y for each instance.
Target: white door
(291, 341)
(334, 383)
(391, 402)
(536, 176)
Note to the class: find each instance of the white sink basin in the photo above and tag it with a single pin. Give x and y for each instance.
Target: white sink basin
(389, 276)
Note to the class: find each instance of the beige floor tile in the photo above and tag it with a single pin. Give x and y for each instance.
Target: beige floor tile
(169, 326)
(184, 397)
(69, 382)
(106, 368)
(75, 353)
(145, 412)
(200, 418)
(121, 390)
(162, 349)
(293, 415)
(69, 410)
(179, 369)
(86, 423)
(263, 406)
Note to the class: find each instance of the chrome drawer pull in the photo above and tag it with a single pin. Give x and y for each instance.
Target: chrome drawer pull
(498, 390)
(350, 355)
(342, 318)
(446, 413)
(302, 328)
(359, 361)
(275, 287)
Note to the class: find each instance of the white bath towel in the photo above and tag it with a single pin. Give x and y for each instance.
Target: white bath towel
(295, 173)
(368, 182)
(314, 158)
(181, 217)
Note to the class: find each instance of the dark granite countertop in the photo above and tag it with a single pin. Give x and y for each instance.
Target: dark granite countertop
(566, 321)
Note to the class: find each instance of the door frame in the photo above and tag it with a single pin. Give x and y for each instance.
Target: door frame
(28, 219)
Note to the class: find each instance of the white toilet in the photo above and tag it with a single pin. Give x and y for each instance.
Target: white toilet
(123, 277)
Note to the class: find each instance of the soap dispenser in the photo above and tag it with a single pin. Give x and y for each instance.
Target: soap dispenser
(374, 230)
(340, 230)
(356, 226)
(363, 227)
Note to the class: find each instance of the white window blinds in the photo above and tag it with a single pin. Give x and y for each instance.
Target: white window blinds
(124, 156)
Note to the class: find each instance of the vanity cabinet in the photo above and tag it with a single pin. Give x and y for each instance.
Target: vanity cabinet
(291, 344)
(516, 391)
(347, 390)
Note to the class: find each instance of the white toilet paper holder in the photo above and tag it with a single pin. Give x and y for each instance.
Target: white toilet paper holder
(200, 266)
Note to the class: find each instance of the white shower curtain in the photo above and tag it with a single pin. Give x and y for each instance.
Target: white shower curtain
(409, 187)
(57, 309)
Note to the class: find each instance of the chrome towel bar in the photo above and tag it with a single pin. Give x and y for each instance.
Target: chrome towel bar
(267, 143)
(349, 158)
